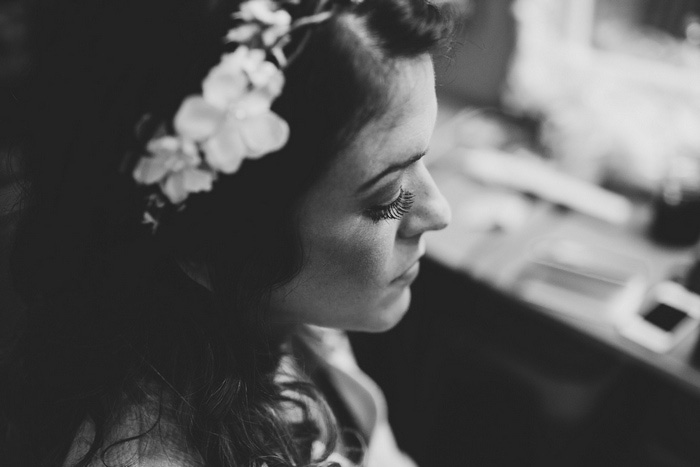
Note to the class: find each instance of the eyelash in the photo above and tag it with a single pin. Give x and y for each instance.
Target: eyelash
(394, 210)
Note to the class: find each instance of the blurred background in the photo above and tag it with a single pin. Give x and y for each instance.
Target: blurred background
(568, 144)
(555, 320)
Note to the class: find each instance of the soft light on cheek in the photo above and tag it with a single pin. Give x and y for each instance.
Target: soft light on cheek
(362, 253)
(372, 251)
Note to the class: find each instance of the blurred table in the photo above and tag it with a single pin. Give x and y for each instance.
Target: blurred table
(499, 256)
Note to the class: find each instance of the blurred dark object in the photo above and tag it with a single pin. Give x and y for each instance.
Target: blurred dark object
(691, 276)
(14, 62)
(677, 207)
(671, 15)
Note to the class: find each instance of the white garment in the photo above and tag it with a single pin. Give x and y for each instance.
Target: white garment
(361, 395)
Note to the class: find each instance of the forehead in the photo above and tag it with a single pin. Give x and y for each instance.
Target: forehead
(400, 132)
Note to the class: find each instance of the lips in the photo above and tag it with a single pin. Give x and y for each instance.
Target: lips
(409, 274)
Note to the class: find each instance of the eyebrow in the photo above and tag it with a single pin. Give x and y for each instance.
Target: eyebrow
(391, 169)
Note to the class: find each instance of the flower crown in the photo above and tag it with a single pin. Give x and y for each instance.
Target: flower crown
(231, 120)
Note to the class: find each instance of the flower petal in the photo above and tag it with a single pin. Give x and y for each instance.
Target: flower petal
(174, 188)
(243, 33)
(264, 133)
(164, 146)
(189, 151)
(282, 18)
(274, 84)
(253, 60)
(255, 102)
(174, 153)
(273, 34)
(245, 12)
(150, 170)
(225, 150)
(223, 85)
(265, 12)
(233, 61)
(196, 119)
(262, 74)
(196, 180)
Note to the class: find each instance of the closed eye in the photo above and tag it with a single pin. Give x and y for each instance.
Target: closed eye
(394, 210)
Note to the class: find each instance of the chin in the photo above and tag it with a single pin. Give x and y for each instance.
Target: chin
(389, 316)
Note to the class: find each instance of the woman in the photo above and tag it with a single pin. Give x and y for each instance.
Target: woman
(171, 284)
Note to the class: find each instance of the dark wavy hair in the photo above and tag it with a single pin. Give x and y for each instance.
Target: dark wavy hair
(116, 331)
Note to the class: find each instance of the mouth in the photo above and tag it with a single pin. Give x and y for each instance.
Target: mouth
(409, 275)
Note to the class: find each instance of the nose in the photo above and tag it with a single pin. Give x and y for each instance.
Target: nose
(430, 210)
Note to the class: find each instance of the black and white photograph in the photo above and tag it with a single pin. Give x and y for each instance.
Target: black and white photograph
(349, 233)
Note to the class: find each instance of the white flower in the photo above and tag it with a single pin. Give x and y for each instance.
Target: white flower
(168, 154)
(249, 137)
(250, 130)
(243, 33)
(261, 17)
(197, 119)
(266, 12)
(237, 73)
(267, 76)
(173, 162)
(272, 34)
(228, 80)
(177, 186)
(233, 121)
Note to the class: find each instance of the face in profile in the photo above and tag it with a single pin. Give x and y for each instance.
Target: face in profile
(362, 223)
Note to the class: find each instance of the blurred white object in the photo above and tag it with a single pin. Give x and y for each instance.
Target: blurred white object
(494, 211)
(533, 176)
(613, 113)
(582, 280)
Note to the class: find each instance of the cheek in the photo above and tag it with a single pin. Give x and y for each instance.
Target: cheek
(359, 254)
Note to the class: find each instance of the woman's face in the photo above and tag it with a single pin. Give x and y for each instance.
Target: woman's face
(362, 223)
